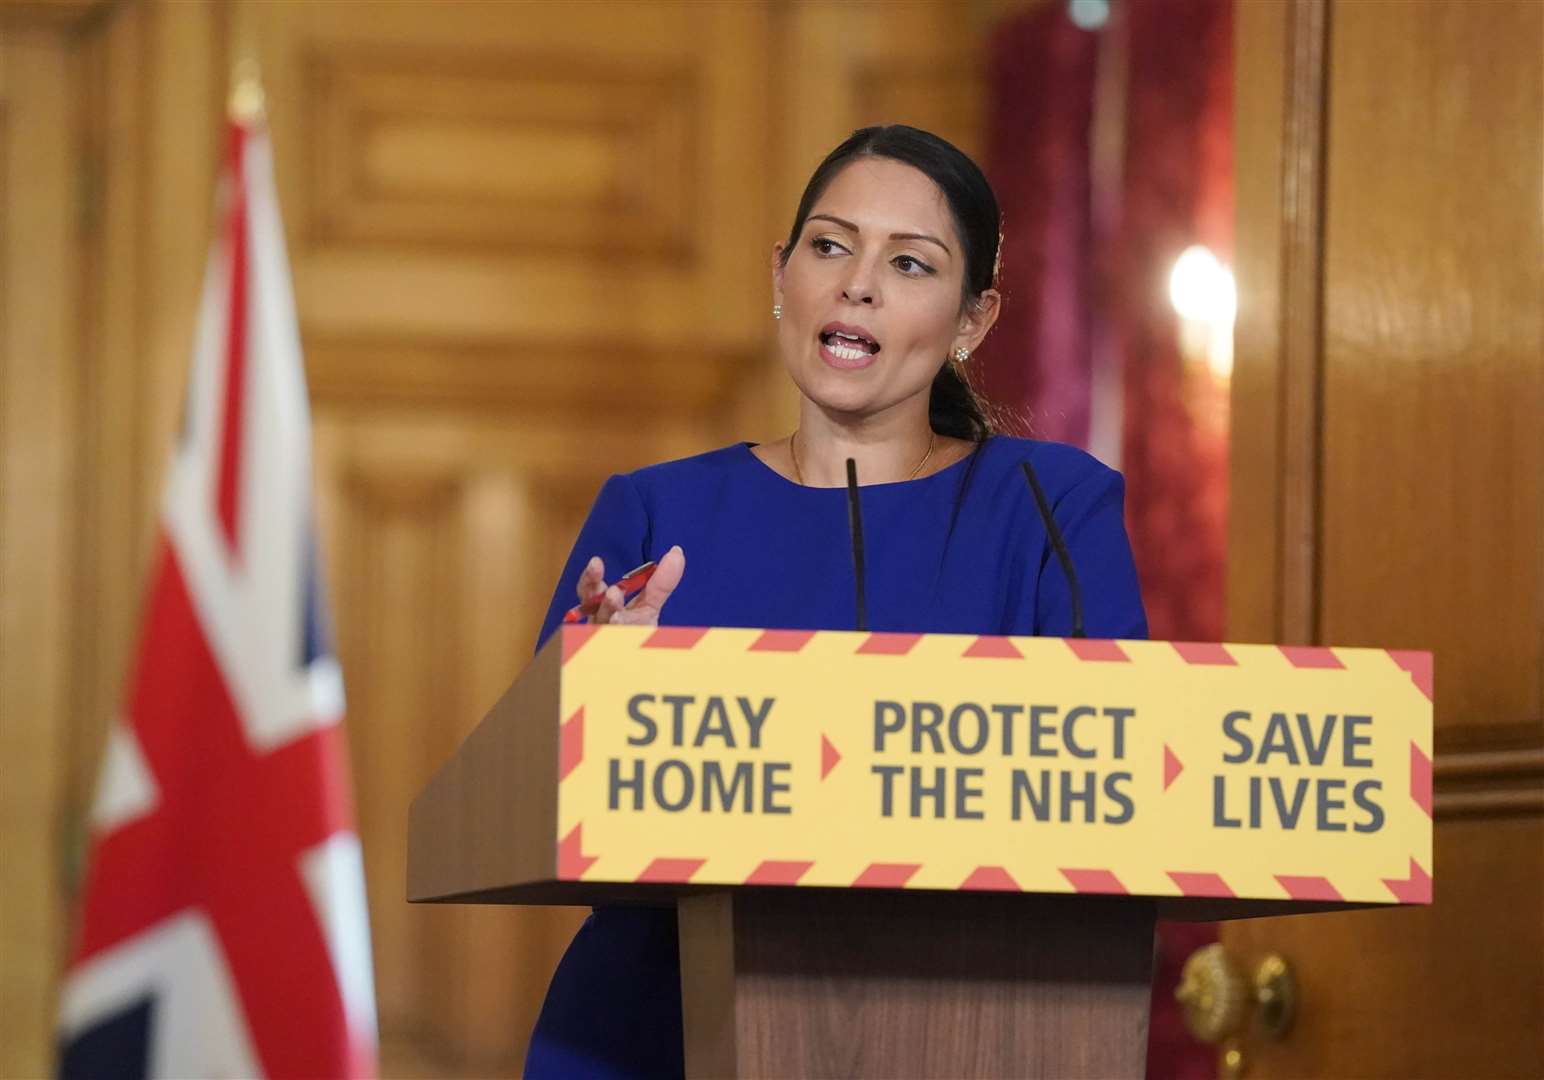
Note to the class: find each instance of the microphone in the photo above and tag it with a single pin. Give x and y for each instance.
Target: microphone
(855, 526)
(1057, 544)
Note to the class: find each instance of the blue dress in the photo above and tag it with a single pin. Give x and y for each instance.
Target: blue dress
(960, 551)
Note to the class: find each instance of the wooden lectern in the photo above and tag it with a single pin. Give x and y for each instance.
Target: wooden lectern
(930, 855)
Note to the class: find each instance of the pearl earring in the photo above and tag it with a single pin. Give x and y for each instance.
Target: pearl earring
(777, 311)
(961, 355)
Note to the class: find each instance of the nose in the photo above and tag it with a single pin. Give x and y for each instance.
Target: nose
(859, 287)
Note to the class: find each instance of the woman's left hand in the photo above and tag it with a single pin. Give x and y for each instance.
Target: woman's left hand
(645, 607)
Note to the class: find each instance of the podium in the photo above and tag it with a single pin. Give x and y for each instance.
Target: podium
(932, 855)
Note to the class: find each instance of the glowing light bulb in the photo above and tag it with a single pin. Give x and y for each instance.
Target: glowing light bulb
(1202, 288)
(1203, 292)
(1089, 14)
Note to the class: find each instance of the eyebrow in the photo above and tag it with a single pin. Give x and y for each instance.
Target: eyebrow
(850, 227)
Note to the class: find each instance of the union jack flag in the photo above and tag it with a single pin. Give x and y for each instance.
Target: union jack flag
(224, 929)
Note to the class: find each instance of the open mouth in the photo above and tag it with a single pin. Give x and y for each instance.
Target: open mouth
(849, 344)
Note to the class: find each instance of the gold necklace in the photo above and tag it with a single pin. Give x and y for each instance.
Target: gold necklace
(798, 475)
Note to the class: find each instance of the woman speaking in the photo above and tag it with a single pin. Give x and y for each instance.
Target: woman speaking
(882, 290)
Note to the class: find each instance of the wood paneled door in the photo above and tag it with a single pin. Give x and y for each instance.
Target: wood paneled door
(1388, 483)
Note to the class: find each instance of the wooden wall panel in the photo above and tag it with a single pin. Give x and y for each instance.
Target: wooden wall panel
(395, 611)
(97, 180)
(1449, 991)
(1388, 478)
(1434, 341)
(1255, 489)
(39, 609)
(677, 91)
(918, 63)
(109, 492)
(182, 86)
(503, 152)
(570, 375)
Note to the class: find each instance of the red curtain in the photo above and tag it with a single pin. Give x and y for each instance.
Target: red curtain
(1078, 278)
(1178, 191)
(1035, 364)
(1065, 287)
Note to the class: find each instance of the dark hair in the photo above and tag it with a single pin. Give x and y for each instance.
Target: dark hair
(954, 406)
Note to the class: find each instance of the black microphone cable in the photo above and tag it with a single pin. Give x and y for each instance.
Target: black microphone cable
(1057, 544)
(855, 525)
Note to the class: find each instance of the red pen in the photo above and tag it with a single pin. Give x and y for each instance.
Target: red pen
(630, 582)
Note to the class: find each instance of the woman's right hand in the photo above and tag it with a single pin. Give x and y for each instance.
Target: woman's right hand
(644, 608)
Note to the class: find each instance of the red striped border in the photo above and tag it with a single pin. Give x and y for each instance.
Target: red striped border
(992, 647)
(778, 872)
(883, 644)
(882, 875)
(572, 861)
(990, 879)
(1419, 665)
(1204, 652)
(570, 744)
(1308, 887)
(574, 638)
(781, 640)
(1310, 656)
(1093, 881)
(1420, 777)
(1098, 649)
(670, 870)
(674, 637)
(1416, 889)
(1200, 884)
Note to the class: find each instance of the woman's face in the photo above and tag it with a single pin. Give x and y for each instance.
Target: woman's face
(878, 260)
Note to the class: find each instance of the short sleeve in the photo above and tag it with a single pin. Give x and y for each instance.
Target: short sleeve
(617, 530)
(1091, 516)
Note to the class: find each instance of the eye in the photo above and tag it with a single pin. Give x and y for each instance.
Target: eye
(912, 266)
(824, 244)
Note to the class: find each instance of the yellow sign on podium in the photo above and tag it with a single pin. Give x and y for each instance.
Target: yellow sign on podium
(733, 756)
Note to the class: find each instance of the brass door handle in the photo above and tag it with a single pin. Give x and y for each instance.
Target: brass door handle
(1222, 1000)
